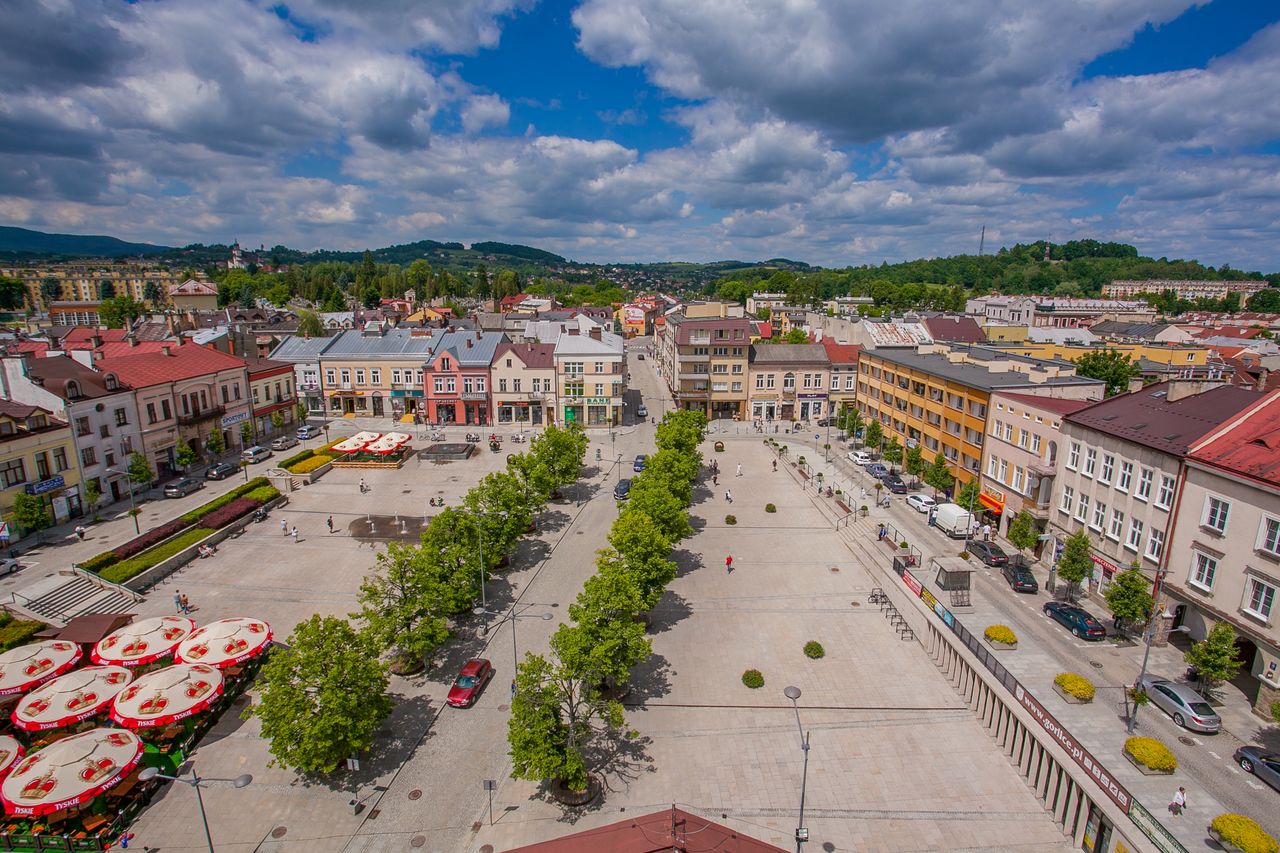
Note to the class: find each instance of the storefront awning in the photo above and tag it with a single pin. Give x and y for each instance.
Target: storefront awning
(992, 503)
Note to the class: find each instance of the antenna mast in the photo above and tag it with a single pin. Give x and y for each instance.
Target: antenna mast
(982, 239)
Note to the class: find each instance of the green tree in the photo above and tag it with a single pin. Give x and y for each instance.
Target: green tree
(561, 450)
(277, 419)
(1023, 534)
(1214, 657)
(309, 325)
(216, 443)
(892, 452)
(967, 496)
(914, 464)
(30, 512)
(401, 605)
(1129, 597)
(152, 294)
(300, 412)
(854, 425)
(500, 511)
(92, 493)
(938, 474)
(645, 552)
(873, 434)
(652, 497)
(450, 544)
(324, 696)
(677, 470)
(118, 311)
(140, 471)
(50, 291)
(606, 640)
(795, 336)
(1075, 564)
(106, 289)
(13, 293)
(246, 433)
(183, 454)
(1266, 300)
(1111, 366)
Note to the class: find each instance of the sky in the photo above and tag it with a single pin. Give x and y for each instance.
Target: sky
(837, 132)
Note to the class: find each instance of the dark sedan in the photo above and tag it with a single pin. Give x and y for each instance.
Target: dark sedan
(221, 471)
(877, 470)
(988, 552)
(894, 484)
(1256, 760)
(1019, 577)
(1075, 619)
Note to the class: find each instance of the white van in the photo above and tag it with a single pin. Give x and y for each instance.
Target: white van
(953, 520)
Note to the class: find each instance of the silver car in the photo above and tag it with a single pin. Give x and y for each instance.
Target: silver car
(1187, 707)
(1264, 765)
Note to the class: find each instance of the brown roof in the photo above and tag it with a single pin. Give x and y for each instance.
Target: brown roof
(1049, 404)
(841, 353)
(88, 629)
(1147, 417)
(54, 372)
(1251, 446)
(532, 355)
(669, 831)
(963, 330)
(19, 411)
(183, 362)
(684, 326)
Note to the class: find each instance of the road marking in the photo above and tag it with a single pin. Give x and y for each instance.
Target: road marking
(1197, 741)
(1235, 770)
(1253, 784)
(1215, 755)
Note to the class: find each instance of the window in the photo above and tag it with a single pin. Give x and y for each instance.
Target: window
(1018, 479)
(848, 382)
(1090, 461)
(600, 365)
(417, 376)
(1126, 476)
(1008, 433)
(768, 380)
(60, 459)
(375, 376)
(346, 376)
(226, 397)
(1099, 516)
(1035, 444)
(1269, 536)
(1117, 525)
(1155, 545)
(1004, 470)
(1203, 568)
(13, 473)
(151, 413)
(1068, 498)
(451, 384)
(991, 466)
(1215, 514)
(1135, 535)
(1073, 456)
(480, 385)
(122, 417)
(1259, 598)
(1082, 508)
(1144, 485)
(502, 386)
(1165, 498)
(1108, 466)
(255, 395)
(789, 382)
(439, 385)
(82, 426)
(359, 376)
(88, 457)
(167, 413)
(395, 374)
(1024, 438)
(330, 377)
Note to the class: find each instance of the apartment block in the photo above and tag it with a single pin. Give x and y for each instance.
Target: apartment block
(523, 383)
(703, 353)
(1056, 311)
(789, 382)
(590, 379)
(1184, 289)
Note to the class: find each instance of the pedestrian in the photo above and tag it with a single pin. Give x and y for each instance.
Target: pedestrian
(363, 487)
(284, 527)
(986, 533)
(728, 565)
(933, 518)
(80, 532)
(177, 600)
(880, 533)
(1179, 802)
(739, 469)
(775, 466)
(329, 521)
(728, 495)
(125, 839)
(184, 604)
(715, 479)
(864, 493)
(295, 534)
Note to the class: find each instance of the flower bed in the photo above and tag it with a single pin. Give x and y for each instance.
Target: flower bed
(1076, 689)
(263, 494)
(1001, 637)
(311, 463)
(1150, 756)
(16, 632)
(219, 502)
(151, 538)
(296, 458)
(1242, 833)
(223, 516)
(122, 571)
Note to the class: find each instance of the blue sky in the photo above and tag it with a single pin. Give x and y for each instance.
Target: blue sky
(634, 130)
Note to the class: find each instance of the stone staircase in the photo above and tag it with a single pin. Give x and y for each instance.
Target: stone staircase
(77, 596)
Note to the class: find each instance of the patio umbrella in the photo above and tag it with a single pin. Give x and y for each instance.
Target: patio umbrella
(10, 752)
(142, 642)
(70, 772)
(32, 665)
(167, 695)
(224, 643)
(70, 698)
(357, 442)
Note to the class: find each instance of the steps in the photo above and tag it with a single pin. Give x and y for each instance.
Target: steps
(76, 597)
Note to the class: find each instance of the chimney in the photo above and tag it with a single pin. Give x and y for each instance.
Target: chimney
(1135, 384)
(595, 333)
(1180, 389)
(573, 330)
(1261, 384)
(478, 334)
(95, 341)
(133, 342)
(166, 350)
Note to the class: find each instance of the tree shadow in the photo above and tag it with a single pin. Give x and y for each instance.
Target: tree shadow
(529, 552)
(616, 761)
(671, 610)
(686, 561)
(1269, 738)
(553, 520)
(697, 523)
(650, 679)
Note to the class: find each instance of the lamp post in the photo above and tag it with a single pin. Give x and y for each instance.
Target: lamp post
(195, 781)
(133, 510)
(1150, 635)
(802, 831)
(484, 602)
(512, 617)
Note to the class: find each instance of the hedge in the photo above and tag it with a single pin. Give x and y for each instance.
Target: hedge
(223, 516)
(263, 494)
(306, 466)
(297, 457)
(218, 503)
(1150, 752)
(753, 679)
(152, 537)
(1244, 833)
(98, 562)
(1000, 634)
(122, 571)
(1077, 685)
(15, 634)
(813, 649)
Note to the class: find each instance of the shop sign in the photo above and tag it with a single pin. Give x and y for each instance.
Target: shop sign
(812, 396)
(406, 393)
(1108, 568)
(597, 401)
(45, 486)
(232, 420)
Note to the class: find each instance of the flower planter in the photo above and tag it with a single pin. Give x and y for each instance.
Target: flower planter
(1000, 647)
(1217, 837)
(1068, 698)
(1144, 769)
(565, 796)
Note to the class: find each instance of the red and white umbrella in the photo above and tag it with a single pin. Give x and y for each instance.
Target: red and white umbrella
(30, 666)
(70, 772)
(70, 698)
(224, 643)
(10, 752)
(167, 695)
(143, 642)
(356, 442)
(389, 443)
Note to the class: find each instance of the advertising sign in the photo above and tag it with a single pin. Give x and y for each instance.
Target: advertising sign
(49, 485)
(232, 420)
(912, 583)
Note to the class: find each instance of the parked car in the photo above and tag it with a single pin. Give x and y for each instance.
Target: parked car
(860, 457)
(825, 422)
(953, 520)
(307, 432)
(1075, 619)
(221, 471)
(182, 488)
(641, 410)
(1265, 765)
(8, 566)
(284, 442)
(921, 503)
(257, 453)
(877, 470)
(1019, 576)
(895, 484)
(638, 465)
(472, 678)
(988, 552)
(1187, 707)
(622, 490)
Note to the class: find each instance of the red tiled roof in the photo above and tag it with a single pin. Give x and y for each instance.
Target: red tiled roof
(115, 349)
(764, 329)
(532, 355)
(81, 337)
(1049, 404)
(1251, 447)
(184, 362)
(40, 348)
(668, 830)
(842, 353)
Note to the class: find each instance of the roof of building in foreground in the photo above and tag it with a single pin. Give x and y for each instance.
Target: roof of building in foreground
(1251, 446)
(671, 829)
(975, 373)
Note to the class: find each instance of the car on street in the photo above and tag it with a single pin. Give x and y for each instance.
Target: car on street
(825, 422)
(859, 457)
(284, 442)
(877, 470)
(640, 356)
(622, 490)
(1187, 707)
(221, 471)
(1019, 576)
(307, 432)
(989, 553)
(9, 566)
(895, 484)
(638, 465)
(642, 411)
(257, 453)
(1256, 760)
(921, 503)
(472, 678)
(1077, 620)
(182, 488)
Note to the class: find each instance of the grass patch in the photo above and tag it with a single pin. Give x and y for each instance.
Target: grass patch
(126, 569)
(17, 632)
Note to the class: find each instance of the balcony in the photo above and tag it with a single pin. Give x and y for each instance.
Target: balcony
(693, 395)
(202, 415)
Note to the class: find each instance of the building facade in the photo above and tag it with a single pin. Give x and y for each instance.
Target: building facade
(36, 458)
(523, 383)
(1056, 311)
(843, 390)
(1185, 289)
(789, 382)
(304, 355)
(704, 353)
(271, 390)
(589, 377)
(376, 372)
(457, 376)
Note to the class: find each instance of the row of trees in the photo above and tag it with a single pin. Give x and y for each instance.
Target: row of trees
(566, 699)
(325, 694)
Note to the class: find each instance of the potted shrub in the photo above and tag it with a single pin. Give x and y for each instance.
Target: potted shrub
(1000, 637)
(862, 510)
(753, 679)
(1237, 832)
(1074, 689)
(731, 520)
(964, 555)
(770, 508)
(814, 650)
(1150, 756)
(801, 460)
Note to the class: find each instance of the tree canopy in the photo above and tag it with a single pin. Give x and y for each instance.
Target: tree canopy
(1111, 366)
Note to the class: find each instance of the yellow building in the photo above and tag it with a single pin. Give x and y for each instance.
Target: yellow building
(1174, 355)
(86, 281)
(36, 456)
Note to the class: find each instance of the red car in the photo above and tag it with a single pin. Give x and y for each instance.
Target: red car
(471, 680)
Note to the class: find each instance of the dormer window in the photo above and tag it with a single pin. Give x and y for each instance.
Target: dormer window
(109, 380)
(73, 389)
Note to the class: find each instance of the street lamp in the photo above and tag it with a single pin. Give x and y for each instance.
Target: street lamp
(802, 831)
(512, 617)
(239, 782)
(1150, 635)
(484, 602)
(133, 510)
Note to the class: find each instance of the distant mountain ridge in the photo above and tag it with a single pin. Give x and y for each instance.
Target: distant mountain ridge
(23, 240)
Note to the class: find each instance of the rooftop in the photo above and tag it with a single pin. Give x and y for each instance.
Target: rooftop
(789, 354)
(1144, 331)
(665, 831)
(191, 287)
(54, 372)
(841, 353)
(1056, 405)
(977, 375)
(403, 344)
(185, 361)
(530, 354)
(1251, 447)
(1147, 417)
(960, 329)
(896, 334)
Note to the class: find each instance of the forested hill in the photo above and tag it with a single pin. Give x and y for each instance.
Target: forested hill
(23, 241)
